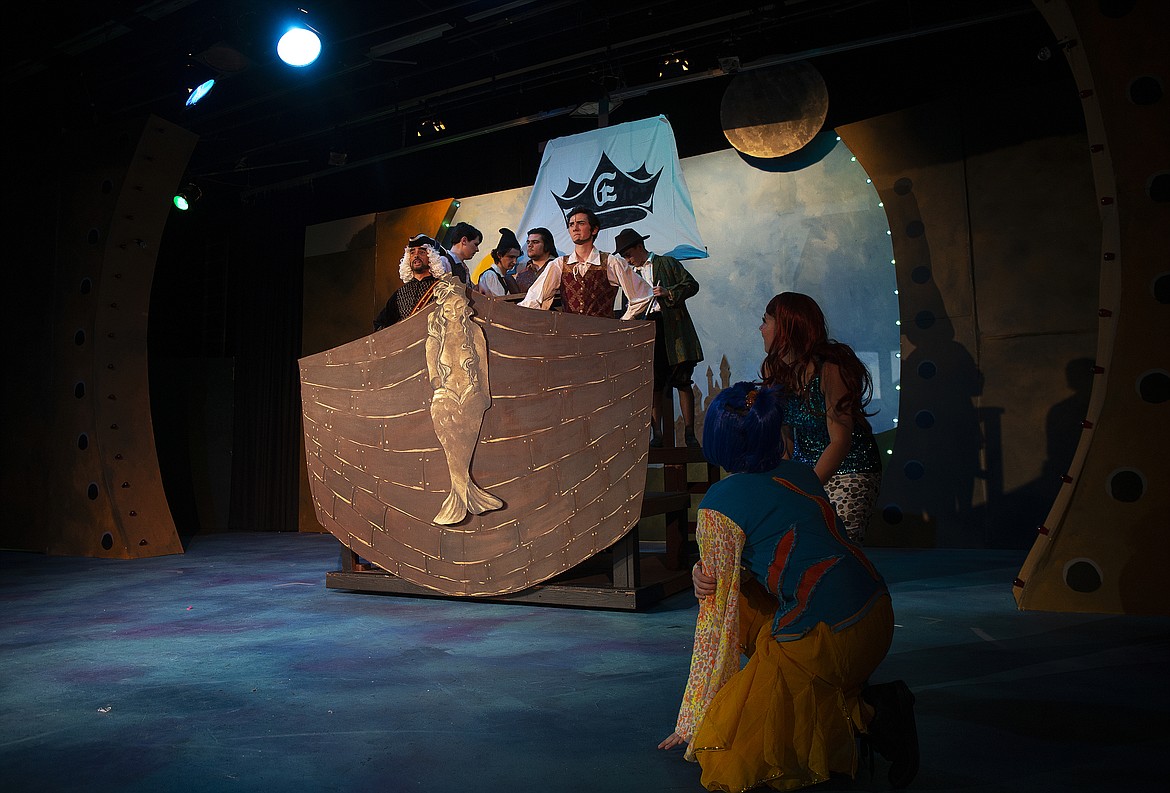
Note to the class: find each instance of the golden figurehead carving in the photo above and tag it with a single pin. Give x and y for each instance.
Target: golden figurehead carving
(457, 365)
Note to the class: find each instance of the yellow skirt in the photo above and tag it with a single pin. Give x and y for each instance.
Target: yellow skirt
(788, 719)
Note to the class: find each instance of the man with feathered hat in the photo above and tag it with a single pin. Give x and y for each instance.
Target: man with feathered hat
(420, 269)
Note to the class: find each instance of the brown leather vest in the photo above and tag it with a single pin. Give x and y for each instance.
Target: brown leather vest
(590, 294)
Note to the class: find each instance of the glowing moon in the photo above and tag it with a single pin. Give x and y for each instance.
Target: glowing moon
(774, 111)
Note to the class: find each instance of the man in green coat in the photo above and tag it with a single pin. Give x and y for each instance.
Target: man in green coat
(676, 344)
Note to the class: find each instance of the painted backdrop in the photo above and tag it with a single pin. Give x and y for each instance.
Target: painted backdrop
(820, 230)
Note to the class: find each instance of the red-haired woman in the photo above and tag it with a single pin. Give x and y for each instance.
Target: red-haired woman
(828, 388)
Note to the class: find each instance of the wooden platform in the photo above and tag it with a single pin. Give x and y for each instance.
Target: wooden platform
(589, 585)
(628, 576)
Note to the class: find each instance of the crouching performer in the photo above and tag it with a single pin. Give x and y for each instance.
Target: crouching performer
(780, 582)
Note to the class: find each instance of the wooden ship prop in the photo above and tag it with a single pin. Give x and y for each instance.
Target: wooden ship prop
(483, 450)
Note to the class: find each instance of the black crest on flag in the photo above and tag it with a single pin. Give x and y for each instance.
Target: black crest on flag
(618, 198)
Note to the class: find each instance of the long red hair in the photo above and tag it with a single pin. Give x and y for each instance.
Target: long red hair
(801, 334)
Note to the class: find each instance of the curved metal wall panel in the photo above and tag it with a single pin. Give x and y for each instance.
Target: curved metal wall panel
(1104, 543)
(107, 495)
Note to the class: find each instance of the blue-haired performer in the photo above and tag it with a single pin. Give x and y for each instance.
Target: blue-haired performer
(778, 580)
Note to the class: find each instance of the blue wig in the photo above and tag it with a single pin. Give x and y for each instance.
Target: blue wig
(741, 432)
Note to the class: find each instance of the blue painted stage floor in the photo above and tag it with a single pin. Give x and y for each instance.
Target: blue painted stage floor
(233, 668)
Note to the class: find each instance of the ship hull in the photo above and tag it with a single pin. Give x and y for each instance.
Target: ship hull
(563, 444)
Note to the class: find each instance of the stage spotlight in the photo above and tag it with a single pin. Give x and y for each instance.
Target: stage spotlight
(673, 65)
(430, 126)
(198, 79)
(186, 197)
(299, 45)
(199, 91)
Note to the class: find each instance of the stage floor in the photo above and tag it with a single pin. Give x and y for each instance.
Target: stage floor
(233, 668)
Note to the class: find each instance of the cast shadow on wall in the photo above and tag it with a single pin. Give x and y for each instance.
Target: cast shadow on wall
(1012, 517)
(929, 489)
(943, 461)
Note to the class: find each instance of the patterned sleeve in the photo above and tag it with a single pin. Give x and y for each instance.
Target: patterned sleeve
(716, 656)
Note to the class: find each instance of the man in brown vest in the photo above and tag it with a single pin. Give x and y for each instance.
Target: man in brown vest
(541, 250)
(588, 279)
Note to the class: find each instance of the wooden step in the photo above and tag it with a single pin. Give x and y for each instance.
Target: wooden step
(676, 455)
(659, 502)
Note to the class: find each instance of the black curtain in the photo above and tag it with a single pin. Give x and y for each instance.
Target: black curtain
(265, 274)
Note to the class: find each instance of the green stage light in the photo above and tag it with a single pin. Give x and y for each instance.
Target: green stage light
(186, 197)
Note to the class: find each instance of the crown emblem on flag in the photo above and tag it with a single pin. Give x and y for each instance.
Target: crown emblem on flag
(618, 198)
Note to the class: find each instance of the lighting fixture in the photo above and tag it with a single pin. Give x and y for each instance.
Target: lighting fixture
(199, 91)
(299, 45)
(186, 197)
(430, 126)
(673, 66)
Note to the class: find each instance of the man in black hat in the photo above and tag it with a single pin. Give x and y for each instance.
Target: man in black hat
(420, 269)
(676, 344)
(495, 280)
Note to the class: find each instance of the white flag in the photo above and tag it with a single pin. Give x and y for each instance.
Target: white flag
(630, 176)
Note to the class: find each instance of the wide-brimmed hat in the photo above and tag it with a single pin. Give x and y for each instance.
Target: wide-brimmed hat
(418, 240)
(627, 239)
